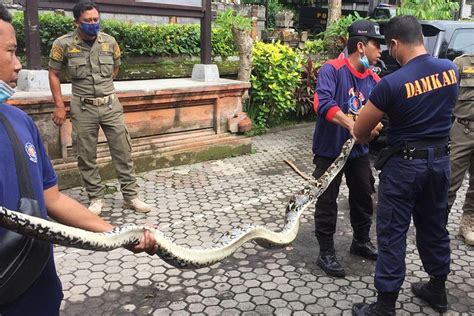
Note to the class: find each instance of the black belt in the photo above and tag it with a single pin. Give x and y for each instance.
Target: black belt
(463, 121)
(413, 150)
(423, 144)
(418, 149)
(413, 153)
(469, 124)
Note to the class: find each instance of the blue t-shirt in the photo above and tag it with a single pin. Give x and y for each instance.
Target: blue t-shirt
(45, 295)
(418, 99)
(339, 88)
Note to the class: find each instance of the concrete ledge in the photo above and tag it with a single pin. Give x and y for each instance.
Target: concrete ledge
(138, 87)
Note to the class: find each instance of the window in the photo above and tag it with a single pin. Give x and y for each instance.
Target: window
(462, 42)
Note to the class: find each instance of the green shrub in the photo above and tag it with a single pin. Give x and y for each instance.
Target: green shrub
(20, 31)
(429, 10)
(52, 26)
(275, 76)
(336, 34)
(305, 92)
(134, 39)
(223, 43)
(231, 18)
(313, 47)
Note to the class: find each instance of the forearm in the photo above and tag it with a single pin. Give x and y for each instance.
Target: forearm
(362, 136)
(55, 86)
(116, 72)
(67, 211)
(368, 123)
(342, 120)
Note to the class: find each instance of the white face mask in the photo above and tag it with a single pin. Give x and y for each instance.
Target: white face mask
(5, 91)
(393, 56)
(364, 61)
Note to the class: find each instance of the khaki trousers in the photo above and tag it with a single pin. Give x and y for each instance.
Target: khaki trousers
(86, 120)
(462, 160)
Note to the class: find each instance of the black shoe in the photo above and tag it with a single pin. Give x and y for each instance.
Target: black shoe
(365, 250)
(385, 305)
(328, 262)
(433, 292)
(374, 309)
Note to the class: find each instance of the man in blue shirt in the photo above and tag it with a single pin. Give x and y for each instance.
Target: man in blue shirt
(343, 87)
(418, 100)
(44, 296)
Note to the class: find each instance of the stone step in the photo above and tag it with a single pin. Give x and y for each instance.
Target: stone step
(216, 139)
(155, 142)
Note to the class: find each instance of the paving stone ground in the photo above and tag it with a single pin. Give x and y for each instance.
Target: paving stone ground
(196, 204)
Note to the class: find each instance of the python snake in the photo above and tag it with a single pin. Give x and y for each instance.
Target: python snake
(176, 255)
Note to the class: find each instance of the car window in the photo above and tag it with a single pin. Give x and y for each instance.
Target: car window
(430, 42)
(381, 14)
(430, 37)
(462, 42)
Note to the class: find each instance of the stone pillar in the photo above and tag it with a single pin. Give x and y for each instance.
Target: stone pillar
(205, 72)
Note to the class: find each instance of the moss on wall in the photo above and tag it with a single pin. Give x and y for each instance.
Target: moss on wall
(69, 178)
(141, 68)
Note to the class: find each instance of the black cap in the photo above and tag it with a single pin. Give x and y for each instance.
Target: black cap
(365, 28)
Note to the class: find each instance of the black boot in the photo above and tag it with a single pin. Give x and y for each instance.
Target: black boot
(328, 262)
(385, 305)
(433, 292)
(365, 249)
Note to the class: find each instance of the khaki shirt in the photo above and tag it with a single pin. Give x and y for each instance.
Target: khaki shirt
(464, 108)
(89, 68)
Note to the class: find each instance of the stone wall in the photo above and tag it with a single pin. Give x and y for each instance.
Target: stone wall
(171, 122)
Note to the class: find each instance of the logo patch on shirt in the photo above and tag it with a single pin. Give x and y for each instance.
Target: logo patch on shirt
(105, 47)
(31, 151)
(74, 50)
(57, 53)
(117, 52)
(467, 70)
(356, 101)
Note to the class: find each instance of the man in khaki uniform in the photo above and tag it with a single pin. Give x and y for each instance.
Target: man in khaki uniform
(91, 60)
(462, 145)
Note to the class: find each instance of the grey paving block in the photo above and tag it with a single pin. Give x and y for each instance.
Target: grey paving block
(196, 204)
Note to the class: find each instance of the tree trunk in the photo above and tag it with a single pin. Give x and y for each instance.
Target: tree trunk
(244, 43)
(334, 13)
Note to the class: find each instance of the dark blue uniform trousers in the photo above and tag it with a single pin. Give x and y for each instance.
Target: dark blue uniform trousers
(407, 188)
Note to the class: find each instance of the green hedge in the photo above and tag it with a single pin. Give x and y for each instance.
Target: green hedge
(276, 75)
(134, 39)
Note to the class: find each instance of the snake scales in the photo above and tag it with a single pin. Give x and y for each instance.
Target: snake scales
(168, 251)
